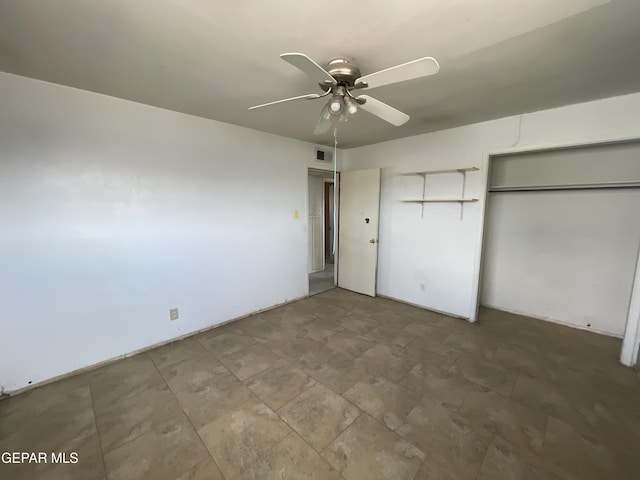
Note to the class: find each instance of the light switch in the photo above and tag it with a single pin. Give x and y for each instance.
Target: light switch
(296, 214)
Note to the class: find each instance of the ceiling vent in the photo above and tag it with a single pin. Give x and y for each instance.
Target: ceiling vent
(323, 156)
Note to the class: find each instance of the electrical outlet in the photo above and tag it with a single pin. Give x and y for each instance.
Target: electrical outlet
(173, 314)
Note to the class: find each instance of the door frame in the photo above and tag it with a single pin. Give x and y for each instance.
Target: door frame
(631, 339)
(327, 201)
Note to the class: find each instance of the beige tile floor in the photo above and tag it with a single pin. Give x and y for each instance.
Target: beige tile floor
(321, 281)
(342, 386)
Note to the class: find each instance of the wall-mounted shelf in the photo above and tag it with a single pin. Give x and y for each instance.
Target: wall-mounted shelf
(440, 200)
(461, 200)
(448, 170)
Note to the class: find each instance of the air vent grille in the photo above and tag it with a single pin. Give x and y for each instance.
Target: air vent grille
(323, 156)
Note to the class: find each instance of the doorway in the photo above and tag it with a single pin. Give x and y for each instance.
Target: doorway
(321, 220)
(329, 252)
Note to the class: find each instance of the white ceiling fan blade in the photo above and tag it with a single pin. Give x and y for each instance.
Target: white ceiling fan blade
(384, 111)
(309, 96)
(423, 67)
(308, 66)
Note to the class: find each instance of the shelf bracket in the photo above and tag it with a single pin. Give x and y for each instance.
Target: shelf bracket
(424, 192)
(464, 184)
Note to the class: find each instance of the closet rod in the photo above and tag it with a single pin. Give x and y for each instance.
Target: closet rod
(547, 188)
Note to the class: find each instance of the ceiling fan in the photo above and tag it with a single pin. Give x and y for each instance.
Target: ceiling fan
(342, 79)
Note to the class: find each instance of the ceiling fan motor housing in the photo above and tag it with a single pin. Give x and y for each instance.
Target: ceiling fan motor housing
(345, 72)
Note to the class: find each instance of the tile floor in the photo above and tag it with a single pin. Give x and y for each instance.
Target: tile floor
(342, 386)
(321, 281)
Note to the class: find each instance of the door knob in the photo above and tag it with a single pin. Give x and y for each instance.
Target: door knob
(372, 241)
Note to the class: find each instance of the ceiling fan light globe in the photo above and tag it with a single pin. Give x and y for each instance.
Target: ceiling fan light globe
(336, 106)
(351, 106)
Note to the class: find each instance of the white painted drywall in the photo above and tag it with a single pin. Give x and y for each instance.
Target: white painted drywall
(113, 212)
(567, 256)
(441, 251)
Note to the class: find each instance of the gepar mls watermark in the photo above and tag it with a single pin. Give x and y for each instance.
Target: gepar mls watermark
(39, 457)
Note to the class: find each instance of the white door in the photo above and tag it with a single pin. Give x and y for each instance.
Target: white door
(358, 232)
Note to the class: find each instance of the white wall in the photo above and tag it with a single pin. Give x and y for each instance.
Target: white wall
(113, 212)
(441, 251)
(568, 258)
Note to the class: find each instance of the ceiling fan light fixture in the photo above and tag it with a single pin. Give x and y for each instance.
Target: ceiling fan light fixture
(351, 106)
(325, 114)
(336, 105)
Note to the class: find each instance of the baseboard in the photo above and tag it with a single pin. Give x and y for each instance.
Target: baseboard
(552, 320)
(95, 366)
(424, 308)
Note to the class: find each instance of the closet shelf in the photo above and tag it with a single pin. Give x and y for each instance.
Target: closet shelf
(569, 186)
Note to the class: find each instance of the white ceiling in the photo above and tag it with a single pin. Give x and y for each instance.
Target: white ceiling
(216, 58)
